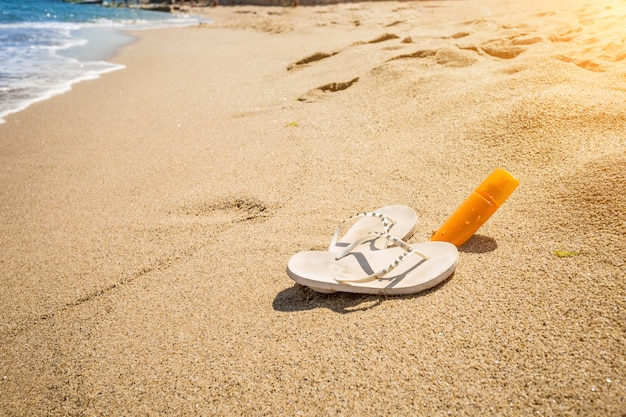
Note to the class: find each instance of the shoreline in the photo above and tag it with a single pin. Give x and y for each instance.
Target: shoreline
(36, 72)
(106, 42)
(147, 217)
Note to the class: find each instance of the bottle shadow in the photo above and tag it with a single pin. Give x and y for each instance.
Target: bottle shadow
(301, 298)
(479, 244)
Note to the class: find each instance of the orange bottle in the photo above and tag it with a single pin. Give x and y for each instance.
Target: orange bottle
(477, 208)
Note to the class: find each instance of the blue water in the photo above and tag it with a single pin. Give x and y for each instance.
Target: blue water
(48, 45)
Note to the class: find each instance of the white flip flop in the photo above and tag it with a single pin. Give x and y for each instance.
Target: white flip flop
(401, 269)
(397, 220)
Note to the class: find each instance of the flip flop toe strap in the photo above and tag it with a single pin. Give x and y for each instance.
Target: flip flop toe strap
(408, 250)
(386, 220)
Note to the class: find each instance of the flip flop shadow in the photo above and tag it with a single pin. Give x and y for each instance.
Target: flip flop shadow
(301, 298)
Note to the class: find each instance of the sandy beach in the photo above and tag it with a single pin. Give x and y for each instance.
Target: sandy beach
(147, 217)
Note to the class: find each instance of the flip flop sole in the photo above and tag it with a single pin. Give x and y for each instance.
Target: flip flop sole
(319, 270)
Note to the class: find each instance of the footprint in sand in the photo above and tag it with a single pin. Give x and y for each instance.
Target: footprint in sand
(318, 92)
(227, 210)
(509, 47)
(423, 53)
(384, 37)
(588, 64)
(565, 34)
(455, 57)
(460, 35)
(397, 22)
(318, 56)
(450, 56)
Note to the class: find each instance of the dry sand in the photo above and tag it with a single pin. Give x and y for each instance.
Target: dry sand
(146, 218)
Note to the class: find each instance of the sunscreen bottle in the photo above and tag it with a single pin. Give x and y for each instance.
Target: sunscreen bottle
(477, 208)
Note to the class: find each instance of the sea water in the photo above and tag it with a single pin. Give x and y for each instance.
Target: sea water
(48, 45)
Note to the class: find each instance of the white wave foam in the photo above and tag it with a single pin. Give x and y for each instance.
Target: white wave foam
(36, 93)
(44, 59)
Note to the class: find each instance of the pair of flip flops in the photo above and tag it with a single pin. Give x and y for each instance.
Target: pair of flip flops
(372, 257)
